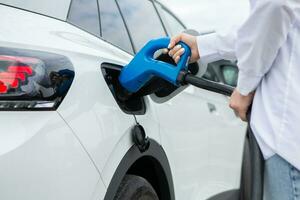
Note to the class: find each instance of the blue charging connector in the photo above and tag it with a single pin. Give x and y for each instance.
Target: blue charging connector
(143, 66)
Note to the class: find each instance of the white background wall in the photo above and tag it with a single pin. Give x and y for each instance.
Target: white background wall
(206, 15)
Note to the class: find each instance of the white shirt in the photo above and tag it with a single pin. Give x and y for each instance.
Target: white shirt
(267, 47)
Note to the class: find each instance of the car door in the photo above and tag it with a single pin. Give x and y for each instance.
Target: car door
(202, 135)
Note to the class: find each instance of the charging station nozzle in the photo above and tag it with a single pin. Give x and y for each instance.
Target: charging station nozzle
(143, 66)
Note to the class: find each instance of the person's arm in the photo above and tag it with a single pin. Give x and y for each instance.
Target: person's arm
(209, 47)
(260, 38)
(218, 45)
(258, 43)
(255, 45)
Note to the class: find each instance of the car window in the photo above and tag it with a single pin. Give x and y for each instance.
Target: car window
(225, 72)
(112, 25)
(84, 14)
(230, 75)
(173, 25)
(142, 21)
(211, 75)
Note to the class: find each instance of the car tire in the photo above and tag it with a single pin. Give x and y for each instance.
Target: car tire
(135, 188)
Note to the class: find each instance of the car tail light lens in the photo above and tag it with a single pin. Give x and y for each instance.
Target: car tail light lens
(33, 80)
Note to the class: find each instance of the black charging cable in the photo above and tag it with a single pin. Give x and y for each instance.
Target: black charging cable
(188, 78)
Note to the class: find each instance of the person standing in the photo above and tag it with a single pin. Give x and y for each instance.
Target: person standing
(267, 47)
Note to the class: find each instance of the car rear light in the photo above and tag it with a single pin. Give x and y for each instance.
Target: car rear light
(33, 80)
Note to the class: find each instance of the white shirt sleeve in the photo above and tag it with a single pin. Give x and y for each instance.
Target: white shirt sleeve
(216, 46)
(256, 43)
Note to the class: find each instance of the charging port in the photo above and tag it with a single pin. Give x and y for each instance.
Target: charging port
(130, 103)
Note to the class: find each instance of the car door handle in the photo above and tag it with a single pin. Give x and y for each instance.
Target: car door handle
(211, 107)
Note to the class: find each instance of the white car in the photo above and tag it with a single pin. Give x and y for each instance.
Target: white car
(67, 133)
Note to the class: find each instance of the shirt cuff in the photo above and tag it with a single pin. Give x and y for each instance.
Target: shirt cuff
(247, 83)
(207, 47)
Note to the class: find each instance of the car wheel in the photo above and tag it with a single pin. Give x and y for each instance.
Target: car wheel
(135, 188)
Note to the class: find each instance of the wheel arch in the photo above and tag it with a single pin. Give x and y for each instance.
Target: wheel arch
(153, 165)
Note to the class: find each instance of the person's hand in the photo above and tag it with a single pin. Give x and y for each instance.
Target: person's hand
(240, 103)
(175, 51)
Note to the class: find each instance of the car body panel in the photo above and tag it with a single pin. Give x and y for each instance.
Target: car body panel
(203, 139)
(123, 145)
(40, 157)
(85, 115)
(99, 191)
(95, 117)
(198, 143)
